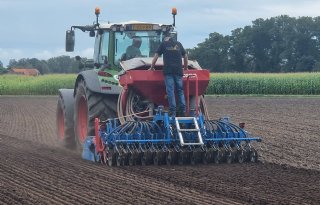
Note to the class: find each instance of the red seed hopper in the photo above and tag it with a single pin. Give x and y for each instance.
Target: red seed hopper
(150, 84)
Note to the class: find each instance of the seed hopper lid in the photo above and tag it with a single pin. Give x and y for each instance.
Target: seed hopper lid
(145, 63)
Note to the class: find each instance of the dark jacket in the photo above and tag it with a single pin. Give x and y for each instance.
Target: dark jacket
(172, 52)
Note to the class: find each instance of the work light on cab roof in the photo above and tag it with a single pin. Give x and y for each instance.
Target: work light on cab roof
(117, 114)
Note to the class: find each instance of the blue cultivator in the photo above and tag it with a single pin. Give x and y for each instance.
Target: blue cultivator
(167, 140)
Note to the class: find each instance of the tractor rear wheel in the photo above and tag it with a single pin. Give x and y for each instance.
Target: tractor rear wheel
(64, 119)
(88, 106)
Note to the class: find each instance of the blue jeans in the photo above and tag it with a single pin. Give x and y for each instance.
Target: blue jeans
(175, 81)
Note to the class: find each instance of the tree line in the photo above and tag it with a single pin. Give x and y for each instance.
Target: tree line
(60, 64)
(277, 44)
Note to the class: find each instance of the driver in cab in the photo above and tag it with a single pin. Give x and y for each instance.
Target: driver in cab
(134, 50)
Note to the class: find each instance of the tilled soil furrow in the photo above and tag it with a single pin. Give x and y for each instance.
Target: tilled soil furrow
(116, 174)
(34, 112)
(289, 132)
(32, 189)
(212, 184)
(141, 185)
(12, 196)
(78, 184)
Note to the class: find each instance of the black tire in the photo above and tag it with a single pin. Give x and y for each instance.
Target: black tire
(64, 119)
(88, 106)
(253, 156)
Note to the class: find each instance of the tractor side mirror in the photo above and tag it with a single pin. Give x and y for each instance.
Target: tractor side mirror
(70, 38)
(92, 34)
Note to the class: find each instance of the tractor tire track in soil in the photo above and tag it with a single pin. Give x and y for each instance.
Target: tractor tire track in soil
(34, 169)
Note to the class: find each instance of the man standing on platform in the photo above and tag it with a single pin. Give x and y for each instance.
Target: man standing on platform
(173, 52)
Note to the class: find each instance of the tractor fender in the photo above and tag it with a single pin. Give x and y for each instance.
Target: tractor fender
(93, 84)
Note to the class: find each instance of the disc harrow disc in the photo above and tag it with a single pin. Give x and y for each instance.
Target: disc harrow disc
(195, 157)
(253, 156)
(241, 156)
(171, 157)
(111, 158)
(156, 160)
(217, 157)
(118, 160)
(206, 157)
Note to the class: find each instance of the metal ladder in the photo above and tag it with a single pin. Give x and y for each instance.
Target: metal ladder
(188, 120)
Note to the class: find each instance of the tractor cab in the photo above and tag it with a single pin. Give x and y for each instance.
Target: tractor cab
(128, 40)
(117, 42)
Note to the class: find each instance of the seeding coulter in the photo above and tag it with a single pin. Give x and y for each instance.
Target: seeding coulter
(118, 112)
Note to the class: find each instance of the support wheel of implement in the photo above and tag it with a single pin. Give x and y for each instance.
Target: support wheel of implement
(253, 156)
(89, 105)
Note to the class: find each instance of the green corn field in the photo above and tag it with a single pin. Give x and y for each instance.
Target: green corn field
(38, 85)
(264, 84)
(220, 84)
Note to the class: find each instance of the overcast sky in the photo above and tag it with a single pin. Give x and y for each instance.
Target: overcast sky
(36, 28)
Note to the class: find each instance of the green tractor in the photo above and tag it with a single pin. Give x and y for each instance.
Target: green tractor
(97, 92)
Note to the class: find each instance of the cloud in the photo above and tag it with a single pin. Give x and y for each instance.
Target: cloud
(36, 28)
(300, 8)
(7, 54)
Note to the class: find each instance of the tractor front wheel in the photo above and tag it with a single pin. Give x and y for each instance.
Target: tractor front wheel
(64, 118)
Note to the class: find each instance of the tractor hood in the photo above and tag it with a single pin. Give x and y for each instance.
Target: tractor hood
(145, 63)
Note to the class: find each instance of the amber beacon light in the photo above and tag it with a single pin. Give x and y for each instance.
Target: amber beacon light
(174, 11)
(97, 11)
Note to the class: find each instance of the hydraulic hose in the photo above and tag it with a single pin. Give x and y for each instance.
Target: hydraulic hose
(129, 99)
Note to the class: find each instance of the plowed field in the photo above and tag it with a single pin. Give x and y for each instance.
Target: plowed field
(35, 169)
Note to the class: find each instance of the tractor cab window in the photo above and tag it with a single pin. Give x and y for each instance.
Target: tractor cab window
(104, 49)
(101, 48)
(104, 45)
(132, 44)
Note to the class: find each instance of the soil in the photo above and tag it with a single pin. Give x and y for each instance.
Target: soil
(35, 169)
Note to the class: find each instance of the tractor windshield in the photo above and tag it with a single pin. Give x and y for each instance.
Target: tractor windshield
(132, 44)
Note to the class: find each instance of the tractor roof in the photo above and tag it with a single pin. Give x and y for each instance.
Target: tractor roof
(108, 25)
(129, 25)
(135, 26)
